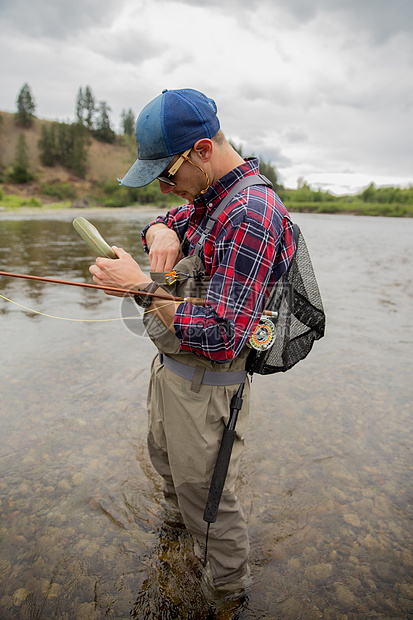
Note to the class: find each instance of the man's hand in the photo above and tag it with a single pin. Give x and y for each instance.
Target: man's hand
(123, 272)
(164, 248)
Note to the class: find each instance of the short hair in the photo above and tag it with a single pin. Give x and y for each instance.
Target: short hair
(219, 138)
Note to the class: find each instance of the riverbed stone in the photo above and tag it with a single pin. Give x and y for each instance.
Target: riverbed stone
(64, 485)
(78, 478)
(406, 589)
(20, 596)
(407, 558)
(352, 519)
(369, 542)
(344, 596)
(54, 590)
(294, 564)
(318, 572)
(86, 611)
(338, 494)
(353, 584)
(384, 571)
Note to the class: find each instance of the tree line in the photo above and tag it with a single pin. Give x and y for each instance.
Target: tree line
(370, 195)
(89, 113)
(66, 143)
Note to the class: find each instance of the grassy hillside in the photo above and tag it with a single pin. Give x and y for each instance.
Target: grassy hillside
(106, 162)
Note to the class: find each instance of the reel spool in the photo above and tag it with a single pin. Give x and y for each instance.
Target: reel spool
(263, 336)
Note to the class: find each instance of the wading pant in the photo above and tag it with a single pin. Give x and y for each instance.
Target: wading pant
(185, 432)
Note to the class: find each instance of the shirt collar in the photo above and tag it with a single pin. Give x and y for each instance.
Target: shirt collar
(220, 188)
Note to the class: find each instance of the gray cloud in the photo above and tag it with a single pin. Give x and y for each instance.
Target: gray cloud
(57, 19)
(316, 87)
(295, 136)
(132, 46)
(381, 19)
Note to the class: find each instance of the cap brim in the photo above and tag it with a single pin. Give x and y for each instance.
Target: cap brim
(144, 171)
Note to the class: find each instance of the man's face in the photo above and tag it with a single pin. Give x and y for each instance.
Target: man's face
(190, 181)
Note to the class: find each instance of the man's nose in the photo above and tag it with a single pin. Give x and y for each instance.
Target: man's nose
(165, 188)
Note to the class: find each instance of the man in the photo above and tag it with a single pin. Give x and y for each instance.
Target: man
(203, 348)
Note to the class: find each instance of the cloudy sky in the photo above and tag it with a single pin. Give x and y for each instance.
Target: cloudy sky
(321, 88)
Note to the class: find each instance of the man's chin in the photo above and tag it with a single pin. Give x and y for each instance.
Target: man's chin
(186, 196)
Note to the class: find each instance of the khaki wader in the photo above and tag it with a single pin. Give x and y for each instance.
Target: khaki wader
(186, 424)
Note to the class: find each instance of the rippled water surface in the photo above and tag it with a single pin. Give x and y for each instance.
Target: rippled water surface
(326, 477)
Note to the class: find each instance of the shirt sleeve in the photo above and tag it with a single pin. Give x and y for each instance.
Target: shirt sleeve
(176, 218)
(235, 297)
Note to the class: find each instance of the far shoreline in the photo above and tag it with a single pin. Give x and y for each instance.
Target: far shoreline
(65, 210)
(317, 208)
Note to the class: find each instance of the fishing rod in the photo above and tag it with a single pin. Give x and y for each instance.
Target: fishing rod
(196, 301)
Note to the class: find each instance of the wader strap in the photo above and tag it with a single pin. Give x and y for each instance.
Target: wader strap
(197, 379)
(209, 376)
(252, 179)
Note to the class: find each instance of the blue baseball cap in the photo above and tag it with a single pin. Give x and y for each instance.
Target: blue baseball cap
(168, 126)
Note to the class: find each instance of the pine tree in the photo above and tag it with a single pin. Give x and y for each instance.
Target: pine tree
(128, 122)
(103, 130)
(80, 107)
(47, 146)
(25, 107)
(20, 172)
(89, 107)
(66, 145)
(78, 157)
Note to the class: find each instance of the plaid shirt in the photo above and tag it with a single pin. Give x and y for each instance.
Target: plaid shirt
(247, 251)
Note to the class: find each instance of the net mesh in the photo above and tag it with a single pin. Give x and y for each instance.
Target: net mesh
(301, 318)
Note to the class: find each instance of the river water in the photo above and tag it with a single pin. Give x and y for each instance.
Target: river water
(326, 476)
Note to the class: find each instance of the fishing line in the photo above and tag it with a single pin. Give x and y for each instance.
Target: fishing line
(62, 318)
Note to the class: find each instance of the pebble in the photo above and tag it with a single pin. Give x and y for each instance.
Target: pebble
(406, 589)
(86, 611)
(383, 570)
(344, 596)
(407, 558)
(19, 596)
(64, 485)
(78, 478)
(318, 572)
(294, 564)
(369, 542)
(352, 519)
(353, 584)
(54, 590)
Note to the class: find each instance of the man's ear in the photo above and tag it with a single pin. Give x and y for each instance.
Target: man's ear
(203, 149)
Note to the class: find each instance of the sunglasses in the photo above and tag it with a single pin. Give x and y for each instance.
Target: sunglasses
(167, 177)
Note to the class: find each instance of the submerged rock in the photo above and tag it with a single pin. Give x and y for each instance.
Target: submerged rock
(20, 596)
(344, 596)
(318, 572)
(352, 519)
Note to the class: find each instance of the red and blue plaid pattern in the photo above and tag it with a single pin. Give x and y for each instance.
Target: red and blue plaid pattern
(248, 250)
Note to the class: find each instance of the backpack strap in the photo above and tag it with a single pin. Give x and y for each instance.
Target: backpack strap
(296, 234)
(253, 179)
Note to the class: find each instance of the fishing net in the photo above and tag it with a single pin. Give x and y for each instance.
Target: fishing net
(301, 318)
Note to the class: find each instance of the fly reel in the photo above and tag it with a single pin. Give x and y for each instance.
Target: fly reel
(263, 336)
